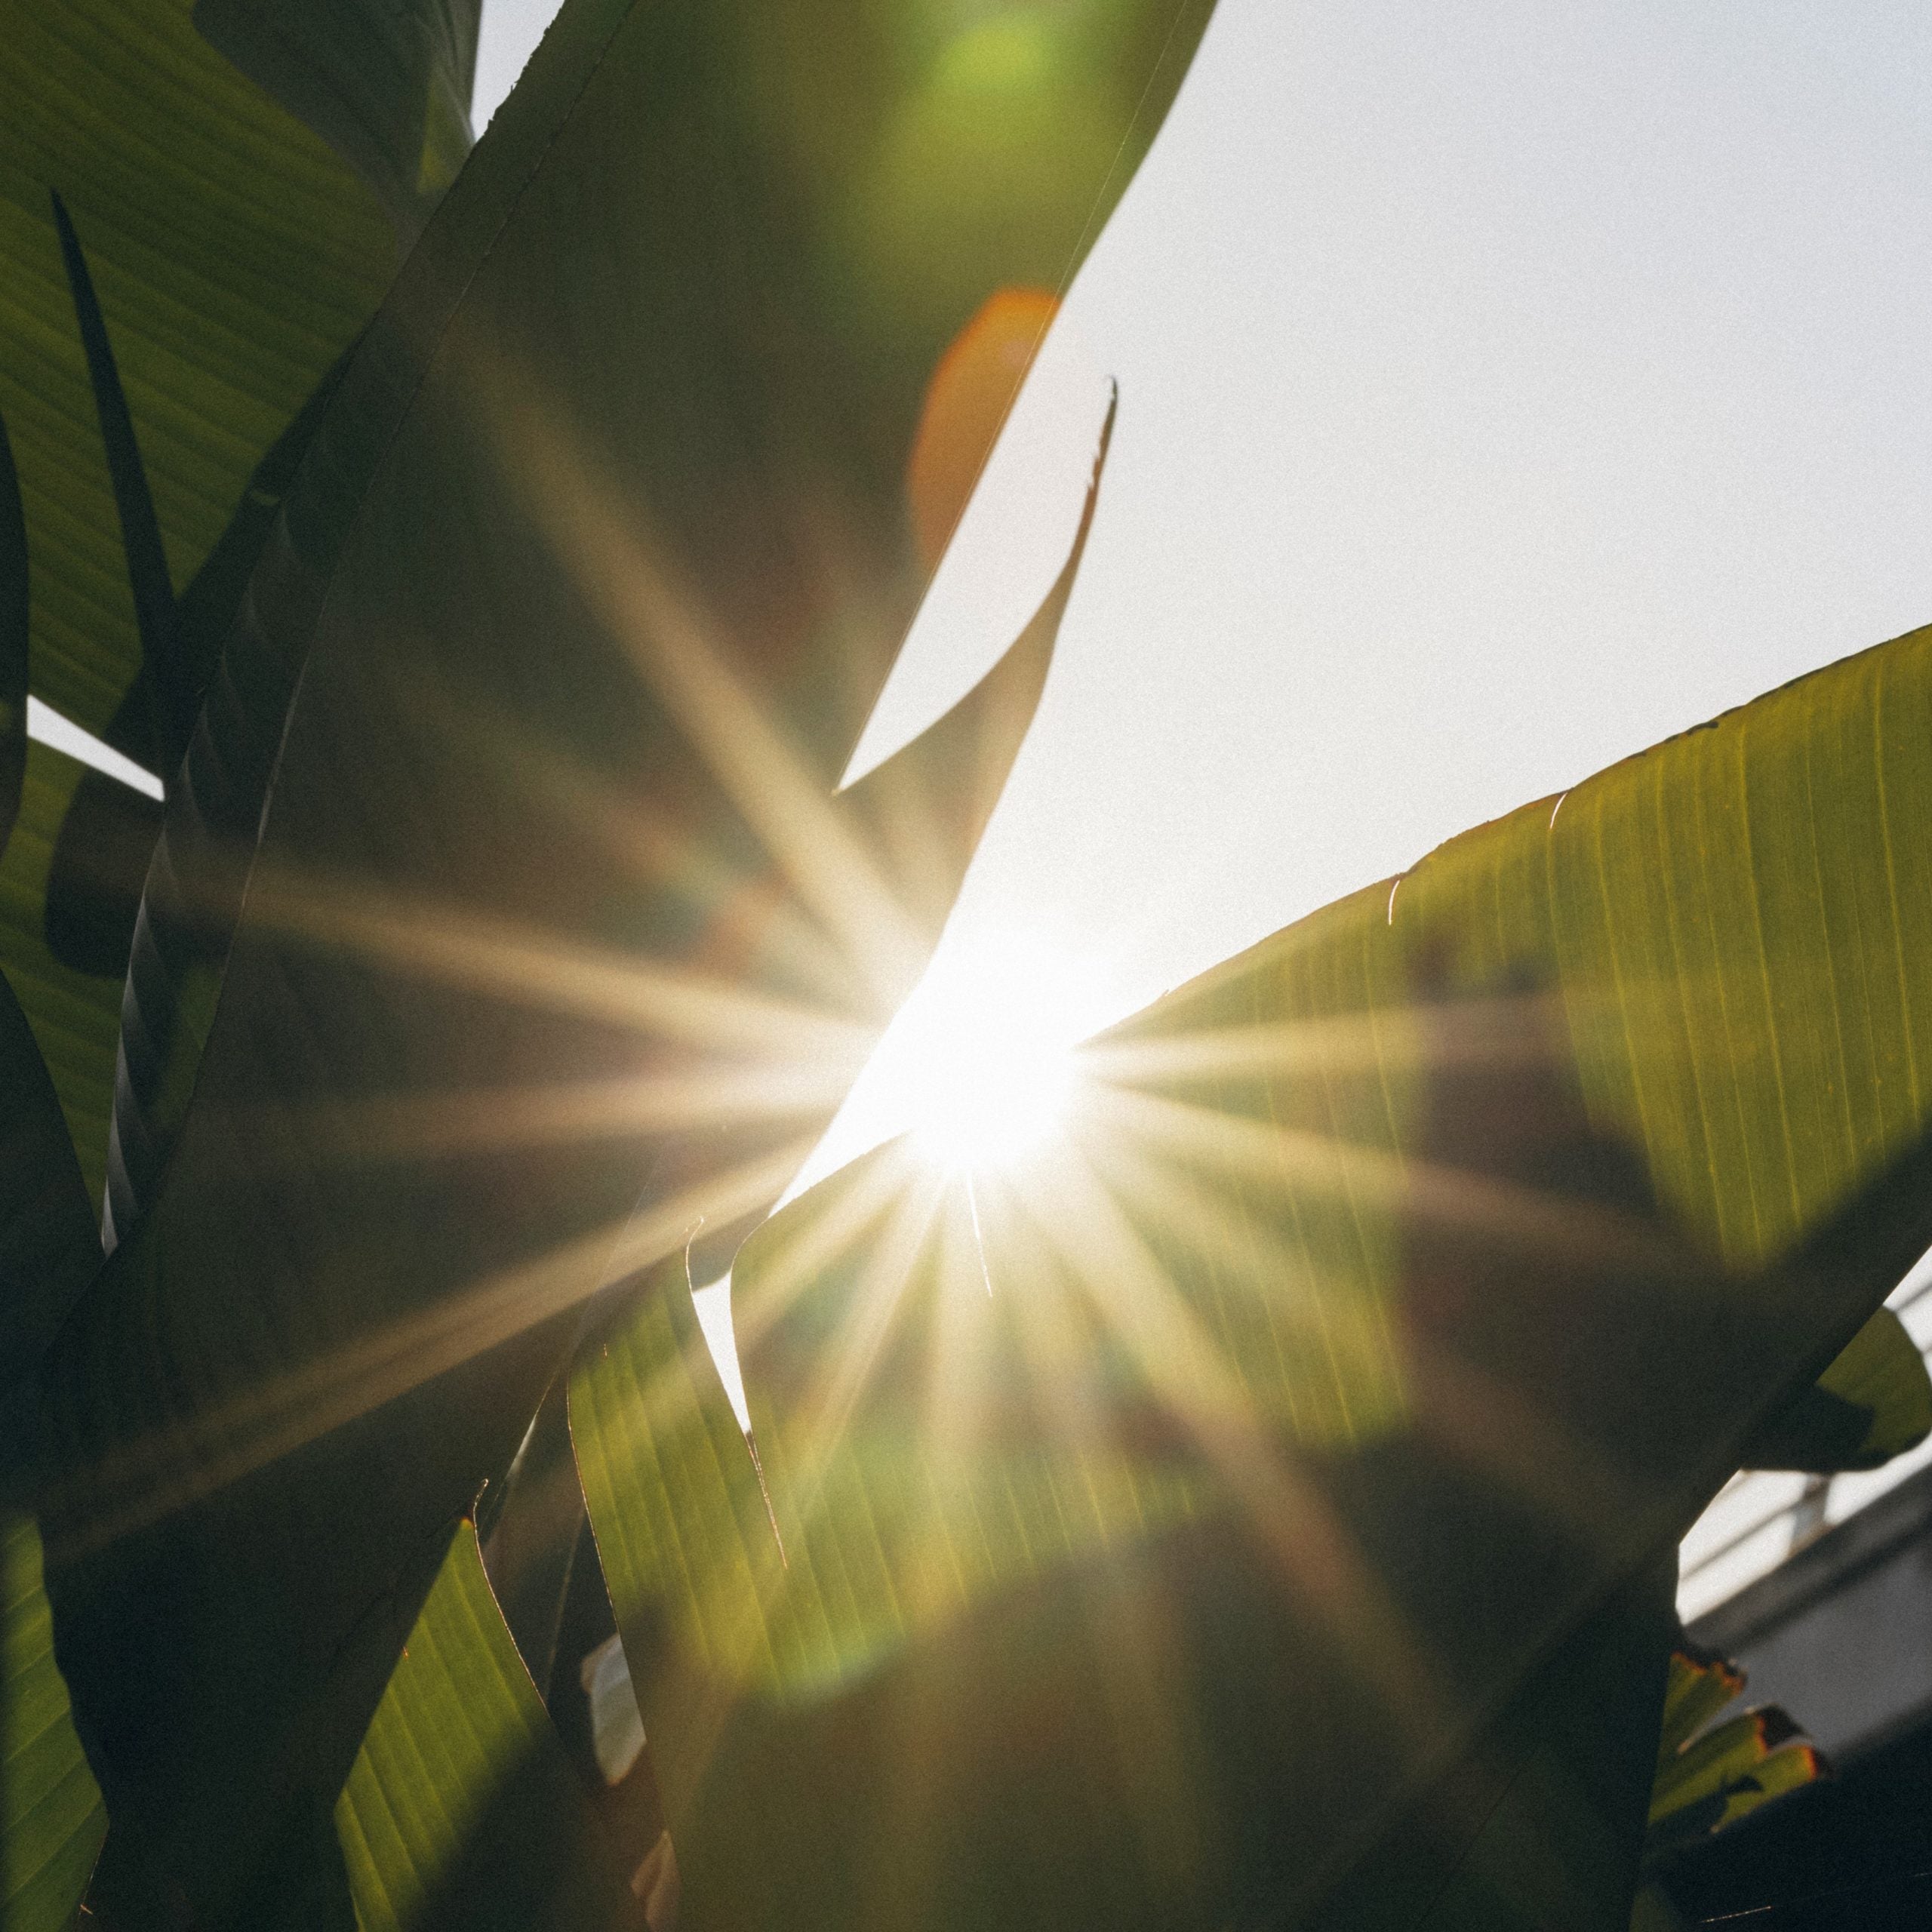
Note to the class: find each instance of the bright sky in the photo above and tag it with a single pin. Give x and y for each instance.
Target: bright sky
(1501, 389)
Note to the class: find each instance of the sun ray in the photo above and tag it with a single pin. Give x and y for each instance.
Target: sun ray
(461, 948)
(669, 638)
(1525, 1220)
(659, 848)
(1184, 1371)
(411, 1126)
(140, 1481)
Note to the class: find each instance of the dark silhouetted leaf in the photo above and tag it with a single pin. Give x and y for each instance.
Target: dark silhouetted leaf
(533, 1535)
(101, 864)
(49, 1249)
(75, 1019)
(101, 861)
(1873, 1403)
(1560, 1785)
(171, 694)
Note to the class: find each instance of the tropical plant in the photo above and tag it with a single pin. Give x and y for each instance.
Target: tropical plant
(1255, 1509)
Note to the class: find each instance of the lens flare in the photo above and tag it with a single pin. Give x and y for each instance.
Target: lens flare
(983, 1069)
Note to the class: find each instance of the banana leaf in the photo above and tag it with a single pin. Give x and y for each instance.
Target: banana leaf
(587, 579)
(233, 257)
(1397, 1293)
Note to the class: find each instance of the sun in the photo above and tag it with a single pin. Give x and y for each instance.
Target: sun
(979, 1066)
(988, 1075)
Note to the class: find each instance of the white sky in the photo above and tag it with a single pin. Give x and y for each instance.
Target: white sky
(1502, 388)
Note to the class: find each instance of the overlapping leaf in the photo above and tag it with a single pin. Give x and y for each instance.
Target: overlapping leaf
(576, 578)
(1710, 1774)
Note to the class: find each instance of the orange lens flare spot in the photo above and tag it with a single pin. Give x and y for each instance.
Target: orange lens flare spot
(971, 390)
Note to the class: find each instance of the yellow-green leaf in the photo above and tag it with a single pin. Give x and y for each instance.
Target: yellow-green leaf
(462, 1808)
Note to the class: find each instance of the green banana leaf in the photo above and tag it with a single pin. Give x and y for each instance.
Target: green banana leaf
(52, 1821)
(462, 1810)
(172, 699)
(1398, 1292)
(1873, 1403)
(587, 579)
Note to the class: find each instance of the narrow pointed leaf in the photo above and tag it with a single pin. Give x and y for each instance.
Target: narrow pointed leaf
(566, 581)
(387, 86)
(938, 792)
(100, 863)
(171, 690)
(1873, 1403)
